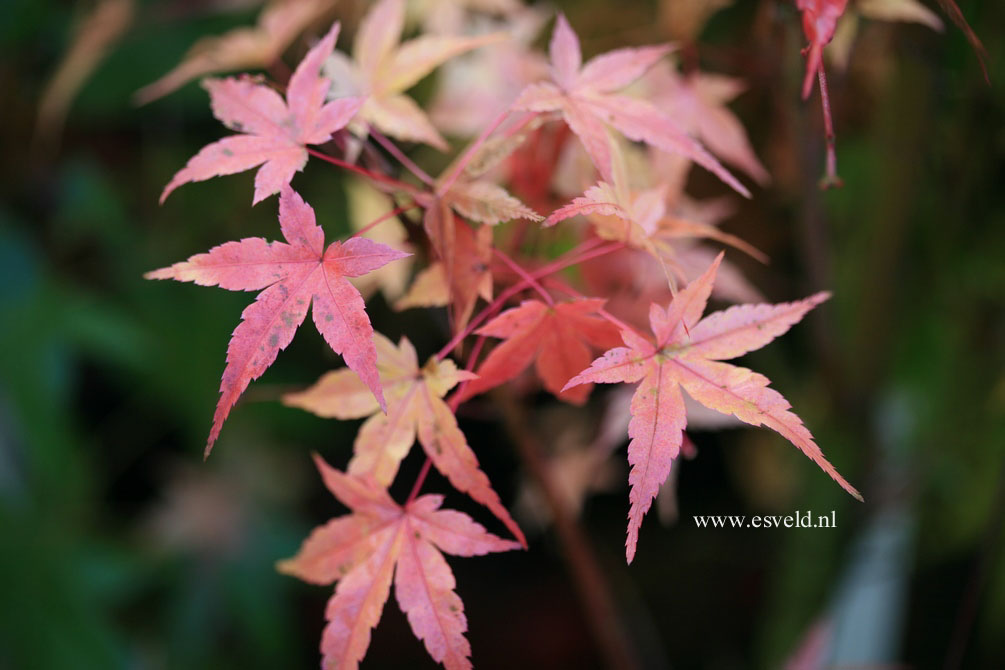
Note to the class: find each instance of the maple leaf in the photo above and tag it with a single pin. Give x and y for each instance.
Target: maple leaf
(687, 353)
(462, 274)
(585, 95)
(95, 35)
(473, 90)
(382, 69)
(294, 275)
(449, 17)
(556, 338)
(820, 19)
(241, 48)
(698, 103)
(640, 219)
(838, 51)
(415, 408)
(381, 541)
(274, 132)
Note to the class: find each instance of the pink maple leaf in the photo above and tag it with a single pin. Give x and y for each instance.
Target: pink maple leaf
(274, 132)
(380, 542)
(697, 102)
(585, 95)
(294, 275)
(688, 353)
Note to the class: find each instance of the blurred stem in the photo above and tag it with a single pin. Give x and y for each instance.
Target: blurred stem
(588, 578)
(831, 179)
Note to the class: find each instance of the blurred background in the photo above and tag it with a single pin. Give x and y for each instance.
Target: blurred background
(121, 548)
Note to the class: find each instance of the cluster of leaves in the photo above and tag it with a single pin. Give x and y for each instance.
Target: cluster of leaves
(635, 126)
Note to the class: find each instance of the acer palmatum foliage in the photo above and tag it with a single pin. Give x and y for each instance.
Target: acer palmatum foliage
(380, 541)
(686, 353)
(296, 275)
(624, 129)
(274, 133)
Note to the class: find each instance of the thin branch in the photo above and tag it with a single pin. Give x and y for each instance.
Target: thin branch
(588, 577)
(419, 480)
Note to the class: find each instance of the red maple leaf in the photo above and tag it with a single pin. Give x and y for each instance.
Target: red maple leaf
(585, 95)
(274, 131)
(687, 353)
(556, 338)
(293, 275)
(380, 541)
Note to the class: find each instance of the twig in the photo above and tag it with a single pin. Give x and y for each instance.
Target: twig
(587, 576)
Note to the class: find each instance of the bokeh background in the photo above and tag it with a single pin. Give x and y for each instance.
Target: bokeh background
(121, 548)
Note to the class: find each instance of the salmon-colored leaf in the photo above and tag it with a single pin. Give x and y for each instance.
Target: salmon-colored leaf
(415, 409)
(557, 338)
(820, 19)
(685, 355)
(294, 275)
(380, 541)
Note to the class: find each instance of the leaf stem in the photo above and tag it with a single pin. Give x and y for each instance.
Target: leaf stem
(566, 260)
(375, 176)
(515, 267)
(831, 179)
(409, 164)
(462, 162)
(384, 217)
(423, 473)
